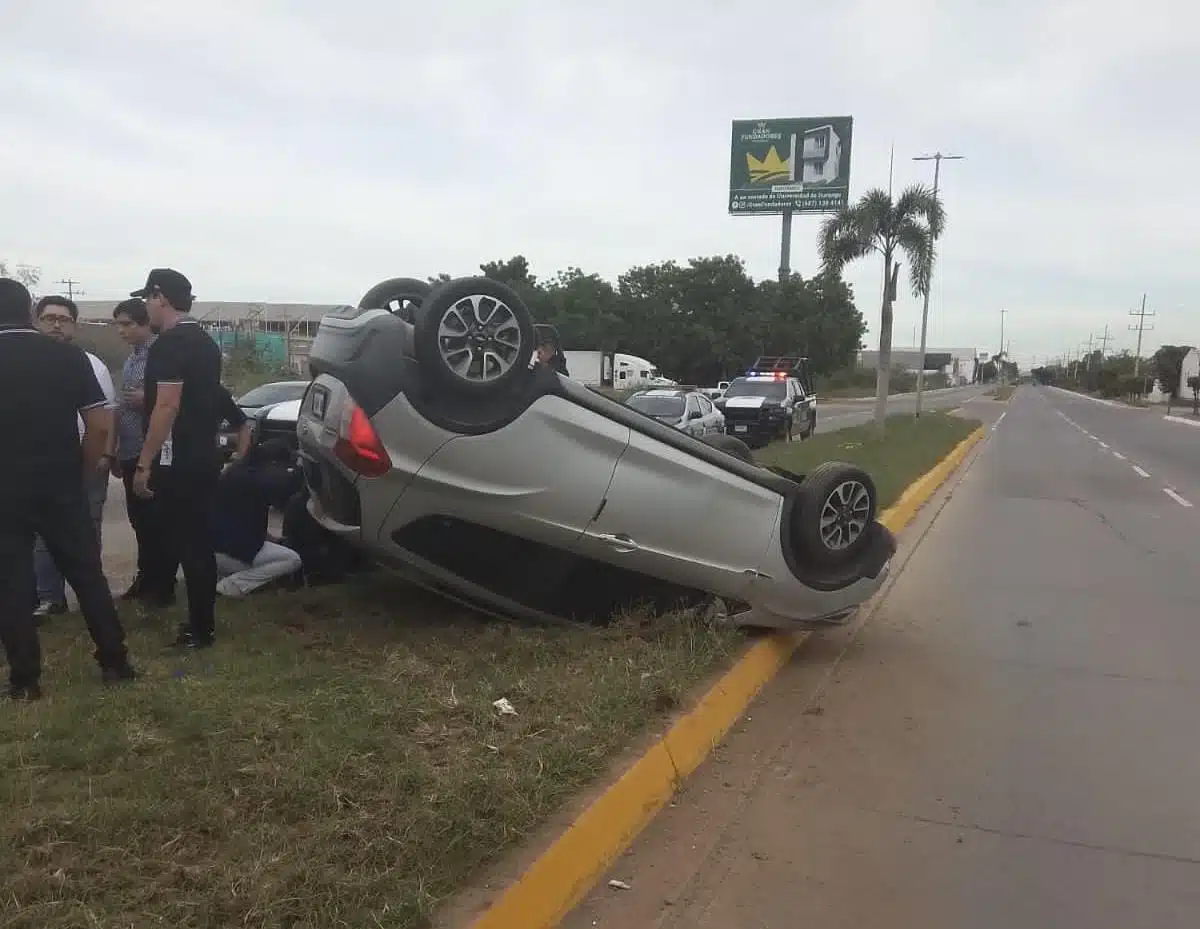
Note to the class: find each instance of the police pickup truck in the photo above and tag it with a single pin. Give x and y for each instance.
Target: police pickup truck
(773, 400)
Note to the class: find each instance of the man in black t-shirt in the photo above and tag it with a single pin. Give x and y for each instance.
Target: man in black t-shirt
(46, 385)
(179, 462)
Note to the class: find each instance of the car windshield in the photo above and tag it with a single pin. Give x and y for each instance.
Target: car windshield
(664, 407)
(272, 393)
(744, 387)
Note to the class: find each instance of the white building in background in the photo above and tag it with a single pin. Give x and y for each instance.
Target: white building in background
(957, 363)
(289, 328)
(1189, 368)
(820, 155)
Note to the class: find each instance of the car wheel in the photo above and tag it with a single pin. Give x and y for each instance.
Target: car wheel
(839, 507)
(731, 446)
(474, 335)
(400, 296)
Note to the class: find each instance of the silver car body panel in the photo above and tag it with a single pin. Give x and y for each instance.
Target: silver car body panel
(569, 471)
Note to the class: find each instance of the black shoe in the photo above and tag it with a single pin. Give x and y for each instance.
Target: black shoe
(118, 674)
(190, 640)
(25, 692)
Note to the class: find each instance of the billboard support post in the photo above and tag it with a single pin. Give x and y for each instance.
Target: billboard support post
(789, 166)
(785, 246)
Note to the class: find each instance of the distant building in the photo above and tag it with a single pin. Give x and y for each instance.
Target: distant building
(1189, 368)
(281, 333)
(957, 363)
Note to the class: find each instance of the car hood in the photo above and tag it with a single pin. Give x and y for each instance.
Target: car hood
(749, 403)
(288, 411)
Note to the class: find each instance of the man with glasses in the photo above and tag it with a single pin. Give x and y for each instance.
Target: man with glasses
(49, 386)
(179, 463)
(58, 317)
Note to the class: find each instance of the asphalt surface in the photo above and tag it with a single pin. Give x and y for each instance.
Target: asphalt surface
(833, 415)
(1008, 738)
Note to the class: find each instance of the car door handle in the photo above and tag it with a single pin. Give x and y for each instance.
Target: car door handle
(620, 542)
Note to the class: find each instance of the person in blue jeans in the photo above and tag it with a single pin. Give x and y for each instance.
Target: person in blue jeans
(57, 317)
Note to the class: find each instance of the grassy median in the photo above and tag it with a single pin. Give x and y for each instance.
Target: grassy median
(910, 447)
(338, 759)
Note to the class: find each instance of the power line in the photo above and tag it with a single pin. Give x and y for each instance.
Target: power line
(71, 285)
(1139, 329)
(1104, 342)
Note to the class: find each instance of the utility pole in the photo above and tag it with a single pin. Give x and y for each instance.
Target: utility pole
(937, 158)
(71, 285)
(1000, 353)
(1140, 328)
(1104, 343)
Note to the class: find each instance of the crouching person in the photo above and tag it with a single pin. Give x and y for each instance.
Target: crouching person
(246, 558)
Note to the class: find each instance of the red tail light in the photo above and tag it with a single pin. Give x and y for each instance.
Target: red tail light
(360, 449)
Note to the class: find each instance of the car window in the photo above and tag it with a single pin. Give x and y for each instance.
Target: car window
(692, 406)
(663, 407)
(746, 387)
(705, 405)
(272, 393)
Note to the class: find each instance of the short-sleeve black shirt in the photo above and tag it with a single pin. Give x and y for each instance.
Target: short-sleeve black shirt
(44, 385)
(186, 354)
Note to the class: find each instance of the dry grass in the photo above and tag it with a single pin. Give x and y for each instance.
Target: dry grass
(335, 761)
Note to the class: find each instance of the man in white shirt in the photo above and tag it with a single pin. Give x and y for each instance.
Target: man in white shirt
(58, 317)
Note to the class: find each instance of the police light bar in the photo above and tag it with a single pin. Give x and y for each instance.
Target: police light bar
(776, 375)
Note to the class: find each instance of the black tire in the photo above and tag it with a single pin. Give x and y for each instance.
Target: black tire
(731, 446)
(474, 336)
(846, 493)
(399, 295)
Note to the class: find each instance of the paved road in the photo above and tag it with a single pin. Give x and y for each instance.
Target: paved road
(1010, 739)
(1165, 453)
(833, 415)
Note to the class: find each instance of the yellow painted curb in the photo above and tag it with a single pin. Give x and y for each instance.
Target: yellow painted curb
(569, 868)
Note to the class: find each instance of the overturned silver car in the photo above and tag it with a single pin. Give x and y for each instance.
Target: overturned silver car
(431, 438)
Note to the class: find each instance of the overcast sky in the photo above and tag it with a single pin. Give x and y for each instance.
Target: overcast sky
(296, 150)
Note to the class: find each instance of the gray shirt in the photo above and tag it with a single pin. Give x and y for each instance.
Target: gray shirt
(129, 419)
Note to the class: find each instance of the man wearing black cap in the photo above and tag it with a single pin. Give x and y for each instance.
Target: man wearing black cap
(41, 491)
(179, 463)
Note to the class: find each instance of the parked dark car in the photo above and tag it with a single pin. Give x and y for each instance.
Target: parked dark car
(258, 400)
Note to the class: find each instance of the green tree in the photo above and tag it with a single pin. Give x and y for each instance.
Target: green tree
(877, 224)
(1167, 365)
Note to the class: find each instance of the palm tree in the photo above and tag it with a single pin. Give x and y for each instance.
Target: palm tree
(878, 225)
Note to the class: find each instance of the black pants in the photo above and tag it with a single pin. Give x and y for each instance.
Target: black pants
(180, 525)
(60, 516)
(139, 512)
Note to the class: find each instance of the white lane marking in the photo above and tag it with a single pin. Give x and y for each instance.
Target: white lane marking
(1180, 419)
(996, 424)
(1118, 456)
(1101, 444)
(1142, 471)
(1174, 496)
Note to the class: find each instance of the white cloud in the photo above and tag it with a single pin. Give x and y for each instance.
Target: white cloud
(301, 150)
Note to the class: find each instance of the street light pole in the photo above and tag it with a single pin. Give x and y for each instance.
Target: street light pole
(937, 158)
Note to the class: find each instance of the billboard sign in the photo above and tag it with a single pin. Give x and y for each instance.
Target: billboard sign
(801, 164)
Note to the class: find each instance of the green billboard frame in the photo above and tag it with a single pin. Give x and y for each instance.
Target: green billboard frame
(790, 165)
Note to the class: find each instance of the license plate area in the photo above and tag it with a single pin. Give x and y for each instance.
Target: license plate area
(740, 428)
